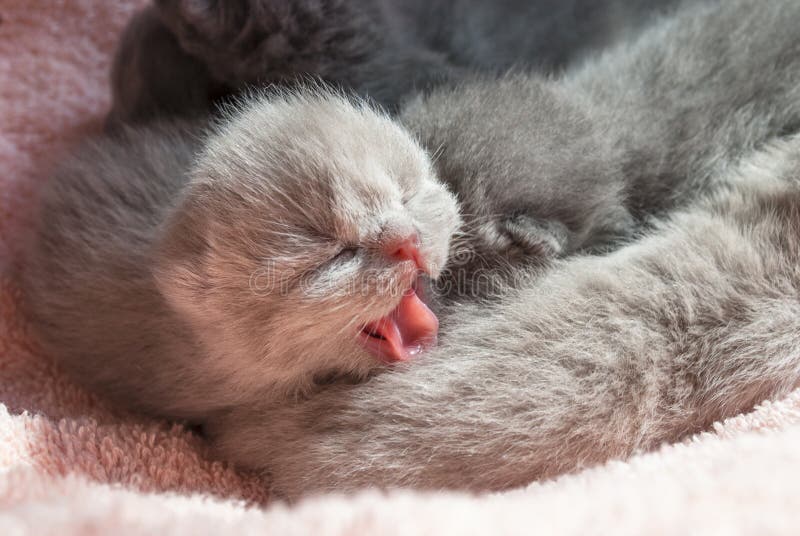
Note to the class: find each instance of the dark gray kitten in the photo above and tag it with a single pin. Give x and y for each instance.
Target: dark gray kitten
(179, 56)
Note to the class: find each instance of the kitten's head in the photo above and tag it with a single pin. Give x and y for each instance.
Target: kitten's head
(299, 240)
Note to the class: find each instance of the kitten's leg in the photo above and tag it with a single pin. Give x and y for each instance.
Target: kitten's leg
(602, 357)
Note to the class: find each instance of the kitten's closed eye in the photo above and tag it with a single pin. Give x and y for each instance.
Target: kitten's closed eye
(346, 260)
(346, 254)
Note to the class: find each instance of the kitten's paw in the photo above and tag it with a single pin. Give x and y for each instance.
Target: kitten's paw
(497, 252)
(529, 237)
(520, 238)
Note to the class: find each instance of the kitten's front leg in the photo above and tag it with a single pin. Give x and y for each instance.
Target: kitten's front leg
(602, 357)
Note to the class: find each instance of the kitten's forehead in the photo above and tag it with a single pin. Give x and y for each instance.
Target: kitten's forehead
(321, 161)
(362, 202)
(347, 182)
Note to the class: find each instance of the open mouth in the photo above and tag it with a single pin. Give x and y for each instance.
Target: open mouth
(403, 333)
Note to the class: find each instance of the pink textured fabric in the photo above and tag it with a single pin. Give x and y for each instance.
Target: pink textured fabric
(54, 64)
(69, 464)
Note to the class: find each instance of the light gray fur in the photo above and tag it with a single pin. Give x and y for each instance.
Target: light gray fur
(384, 49)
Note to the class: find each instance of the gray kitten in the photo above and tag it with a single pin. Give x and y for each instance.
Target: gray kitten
(179, 56)
(601, 356)
(549, 167)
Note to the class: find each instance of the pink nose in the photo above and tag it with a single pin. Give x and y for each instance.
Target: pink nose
(405, 249)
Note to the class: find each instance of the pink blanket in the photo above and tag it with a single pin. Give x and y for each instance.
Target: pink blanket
(69, 464)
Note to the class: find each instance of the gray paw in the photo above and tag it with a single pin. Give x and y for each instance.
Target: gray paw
(532, 237)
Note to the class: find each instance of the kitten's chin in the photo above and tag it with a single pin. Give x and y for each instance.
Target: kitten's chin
(405, 332)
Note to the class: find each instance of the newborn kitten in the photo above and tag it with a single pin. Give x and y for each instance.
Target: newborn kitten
(602, 356)
(179, 56)
(183, 272)
(535, 171)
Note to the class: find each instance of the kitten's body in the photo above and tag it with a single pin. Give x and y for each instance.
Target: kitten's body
(384, 49)
(603, 356)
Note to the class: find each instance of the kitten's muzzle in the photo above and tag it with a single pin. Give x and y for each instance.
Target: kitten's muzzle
(411, 326)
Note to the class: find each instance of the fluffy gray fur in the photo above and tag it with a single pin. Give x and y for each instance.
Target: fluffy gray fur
(547, 167)
(179, 56)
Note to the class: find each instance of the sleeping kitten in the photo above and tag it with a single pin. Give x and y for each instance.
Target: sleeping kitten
(179, 56)
(601, 356)
(182, 272)
(547, 168)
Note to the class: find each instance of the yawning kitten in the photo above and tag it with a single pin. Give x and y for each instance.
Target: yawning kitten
(602, 357)
(183, 272)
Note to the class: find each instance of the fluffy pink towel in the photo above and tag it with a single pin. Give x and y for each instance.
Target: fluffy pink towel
(54, 64)
(69, 464)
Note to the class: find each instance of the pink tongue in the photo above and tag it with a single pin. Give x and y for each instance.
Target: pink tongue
(404, 332)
